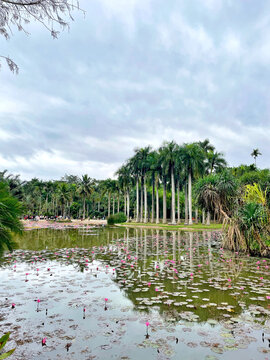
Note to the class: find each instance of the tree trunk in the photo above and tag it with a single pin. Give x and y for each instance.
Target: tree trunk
(109, 204)
(203, 216)
(118, 204)
(164, 201)
(153, 199)
(196, 215)
(83, 208)
(113, 199)
(208, 218)
(127, 206)
(178, 203)
(141, 217)
(137, 199)
(186, 205)
(145, 201)
(173, 197)
(98, 207)
(189, 199)
(157, 204)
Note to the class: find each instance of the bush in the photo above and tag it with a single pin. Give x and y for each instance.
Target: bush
(117, 218)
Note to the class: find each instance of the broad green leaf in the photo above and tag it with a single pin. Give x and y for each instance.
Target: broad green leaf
(3, 340)
(7, 354)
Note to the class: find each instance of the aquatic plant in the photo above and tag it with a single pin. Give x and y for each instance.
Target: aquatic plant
(3, 341)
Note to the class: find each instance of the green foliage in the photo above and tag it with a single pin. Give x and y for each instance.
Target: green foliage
(10, 211)
(3, 341)
(74, 209)
(252, 216)
(117, 218)
(254, 193)
(217, 192)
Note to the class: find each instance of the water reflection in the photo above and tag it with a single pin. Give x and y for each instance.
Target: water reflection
(182, 276)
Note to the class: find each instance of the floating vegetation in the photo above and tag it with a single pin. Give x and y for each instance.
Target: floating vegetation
(132, 295)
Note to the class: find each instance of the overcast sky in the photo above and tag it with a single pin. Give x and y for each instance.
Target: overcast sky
(132, 73)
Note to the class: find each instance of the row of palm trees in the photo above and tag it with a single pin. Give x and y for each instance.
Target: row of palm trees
(148, 179)
(171, 165)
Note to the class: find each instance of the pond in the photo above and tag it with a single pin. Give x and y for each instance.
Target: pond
(116, 293)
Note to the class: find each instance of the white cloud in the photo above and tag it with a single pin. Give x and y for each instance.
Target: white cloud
(135, 73)
(232, 45)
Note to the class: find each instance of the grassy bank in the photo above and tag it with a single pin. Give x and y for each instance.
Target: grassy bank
(183, 227)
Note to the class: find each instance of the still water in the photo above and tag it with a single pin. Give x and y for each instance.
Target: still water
(115, 293)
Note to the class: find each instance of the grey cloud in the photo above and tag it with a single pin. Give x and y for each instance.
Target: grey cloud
(133, 73)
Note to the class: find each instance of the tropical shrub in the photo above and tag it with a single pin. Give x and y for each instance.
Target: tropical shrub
(117, 218)
(3, 341)
(254, 193)
(10, 212)
(217, 193)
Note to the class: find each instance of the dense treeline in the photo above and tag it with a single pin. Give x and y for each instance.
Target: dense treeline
(153, 185)
(172, 184)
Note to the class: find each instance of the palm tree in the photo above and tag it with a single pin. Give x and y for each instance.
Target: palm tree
(215, 161)
(85, 189)
(64, 197)
(124, 179)
(109, 187)
(193, 161)
(255, 153)
(10, 211)
(153, 173)
(134, 165)
(180, 180)
(216, 192)
(144, 166)
(164, 173)
(169, 152)
(206, 146)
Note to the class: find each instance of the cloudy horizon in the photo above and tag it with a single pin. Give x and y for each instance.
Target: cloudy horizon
(133, 73)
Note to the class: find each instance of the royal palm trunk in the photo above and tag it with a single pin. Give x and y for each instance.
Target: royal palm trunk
(164, 201)
(173, 196)
(137, 199)
(141, 217)
(189, 199)
(145, 201)
(157, 204)
(186, 205)
(178, 202)
(127, 205)
(153, 198)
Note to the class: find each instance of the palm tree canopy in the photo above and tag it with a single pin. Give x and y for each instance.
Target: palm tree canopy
(124, 177)
(168, 155)
(86, 186)
(206, 145)
(255, 153)
(193, 157)
(10, 211)
(215, 161)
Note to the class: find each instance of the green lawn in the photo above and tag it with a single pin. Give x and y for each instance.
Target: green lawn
(194, 227)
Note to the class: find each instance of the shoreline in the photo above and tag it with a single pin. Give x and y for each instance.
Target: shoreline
(179, 227)
(43, 224)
